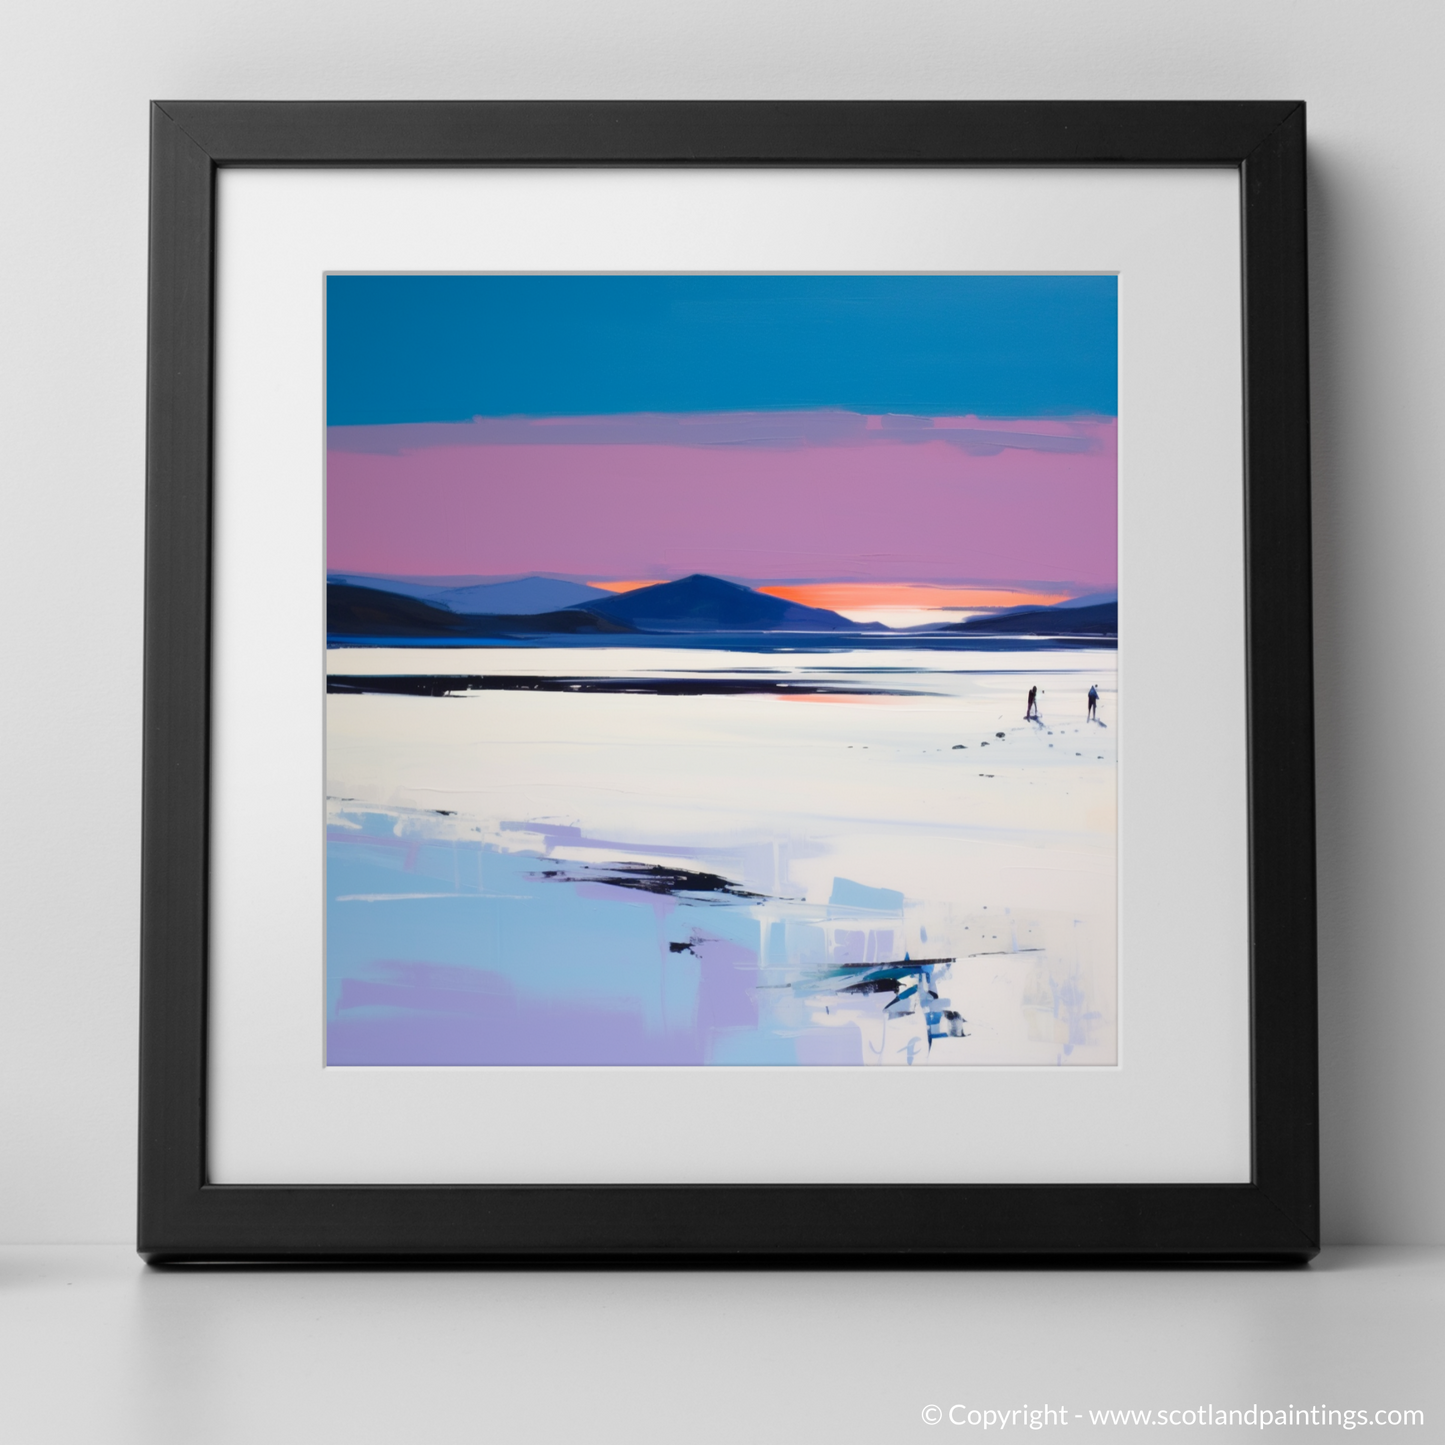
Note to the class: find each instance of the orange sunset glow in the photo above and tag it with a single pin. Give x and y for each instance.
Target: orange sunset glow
(866, 596)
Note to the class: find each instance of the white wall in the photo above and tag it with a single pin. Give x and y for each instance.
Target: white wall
(75, 77)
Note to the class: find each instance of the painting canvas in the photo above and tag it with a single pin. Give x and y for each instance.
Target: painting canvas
(721, 670)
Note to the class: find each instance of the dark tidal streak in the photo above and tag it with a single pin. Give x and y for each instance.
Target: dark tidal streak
(429, 685)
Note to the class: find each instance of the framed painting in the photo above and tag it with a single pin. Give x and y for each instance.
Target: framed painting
(705, 683)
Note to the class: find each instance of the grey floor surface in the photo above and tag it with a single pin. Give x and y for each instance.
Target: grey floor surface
(94, 1347)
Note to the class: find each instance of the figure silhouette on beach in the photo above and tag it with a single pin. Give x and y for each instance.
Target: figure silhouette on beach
(1031, 713)
(1093, 701)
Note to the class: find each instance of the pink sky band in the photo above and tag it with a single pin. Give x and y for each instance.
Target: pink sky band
(758, 496)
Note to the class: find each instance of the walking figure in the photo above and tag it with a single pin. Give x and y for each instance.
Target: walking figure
(1093, 701)
(1031, 713)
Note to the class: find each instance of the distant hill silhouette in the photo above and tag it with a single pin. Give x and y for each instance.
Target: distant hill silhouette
(708, 604)
(371, 612)
(526, 596)
(1093, 599)
(1099, 620)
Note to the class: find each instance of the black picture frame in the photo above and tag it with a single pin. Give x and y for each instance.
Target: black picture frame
(182, 1216)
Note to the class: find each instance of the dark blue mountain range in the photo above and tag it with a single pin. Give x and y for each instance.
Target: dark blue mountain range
(692, 605)
(707, 611)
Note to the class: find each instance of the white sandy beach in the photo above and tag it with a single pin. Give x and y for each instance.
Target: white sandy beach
(1003, 848)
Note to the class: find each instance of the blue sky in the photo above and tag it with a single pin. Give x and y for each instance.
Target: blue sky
(447, 348)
